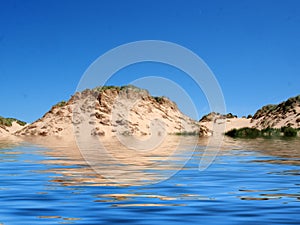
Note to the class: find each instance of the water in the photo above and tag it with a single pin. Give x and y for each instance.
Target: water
(250, 182)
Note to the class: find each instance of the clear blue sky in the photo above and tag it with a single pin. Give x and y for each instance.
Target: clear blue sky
(253, 47)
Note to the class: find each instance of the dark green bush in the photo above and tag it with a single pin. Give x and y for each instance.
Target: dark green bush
(110, 87)
(8, 121)
(270, 132)
(159, 99)
(232, 133)
(185, 133)
(60, 104)
(230, 116)
(245, 132)
(21, 123)
(267, 132)
(289, 131)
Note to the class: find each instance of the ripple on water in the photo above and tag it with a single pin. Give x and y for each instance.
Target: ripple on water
(43, 186)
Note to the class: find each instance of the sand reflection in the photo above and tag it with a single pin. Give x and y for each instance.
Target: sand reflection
(284, 150)
(109, 162)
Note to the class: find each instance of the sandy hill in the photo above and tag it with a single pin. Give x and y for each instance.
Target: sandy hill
(128, 110)
(286, 113)
(231, 121)
(110, 110)
(10, 125)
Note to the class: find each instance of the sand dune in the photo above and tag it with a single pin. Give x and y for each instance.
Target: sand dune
(230, 124)
(130, 111)
(113, 111)
(8, 131)
(286, 113)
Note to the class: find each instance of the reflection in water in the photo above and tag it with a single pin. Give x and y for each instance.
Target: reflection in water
(9, 142)
(112, 163)
(285, 150)
(55, 185)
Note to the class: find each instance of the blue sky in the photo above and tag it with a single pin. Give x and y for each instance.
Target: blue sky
(252, 47)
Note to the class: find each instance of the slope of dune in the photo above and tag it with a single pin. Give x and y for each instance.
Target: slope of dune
(230, 123)
(4, 132)
(286, 113)
(8, 126)
(109, 111)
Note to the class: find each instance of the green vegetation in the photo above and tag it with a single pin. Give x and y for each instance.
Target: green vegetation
(282, 108)
(185, 133)
(230, 116)
(129, 87)
(21, 123)
(243, 133)
(213, 115)
(60, 104)
(112, 87)
(289, 131)
(8, 121)
(160, 100)
(271, 132)
(247, 132)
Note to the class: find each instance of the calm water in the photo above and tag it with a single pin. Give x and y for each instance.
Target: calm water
(250, 182)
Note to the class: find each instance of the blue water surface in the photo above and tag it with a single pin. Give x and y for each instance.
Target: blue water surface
(240, 187)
